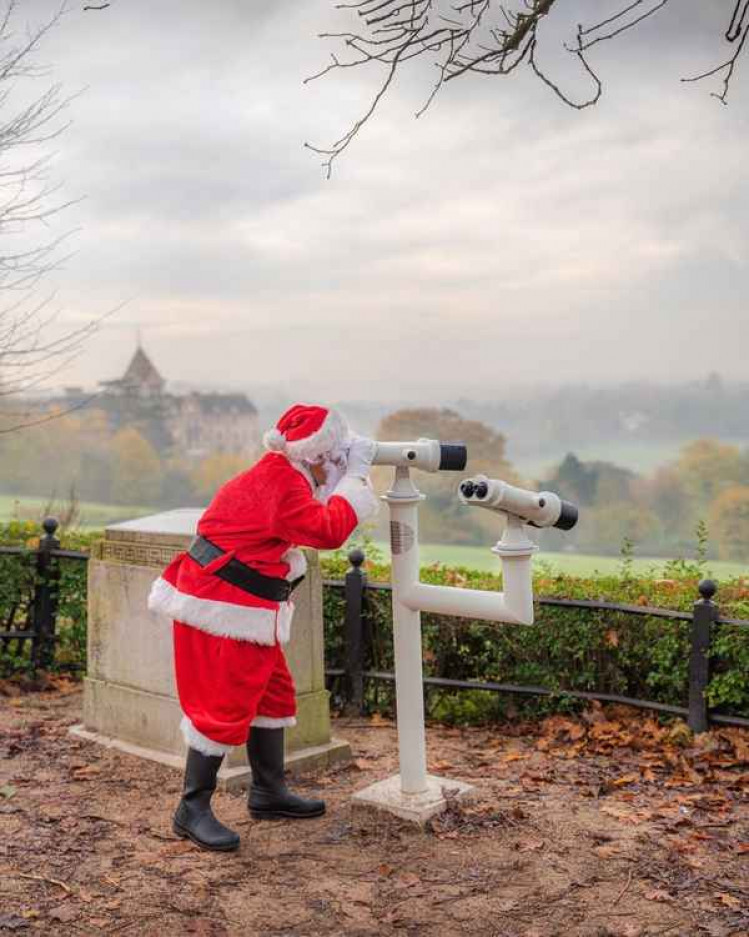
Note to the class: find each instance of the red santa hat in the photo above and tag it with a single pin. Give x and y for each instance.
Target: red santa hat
(305, 433)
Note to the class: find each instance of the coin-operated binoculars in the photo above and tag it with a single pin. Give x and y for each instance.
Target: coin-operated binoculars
(413, 794)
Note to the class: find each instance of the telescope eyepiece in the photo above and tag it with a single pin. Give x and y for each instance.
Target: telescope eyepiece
(467, 488)
(481, 490)
(453, 456)
(567, 516)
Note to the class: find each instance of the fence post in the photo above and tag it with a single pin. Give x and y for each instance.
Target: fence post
(704, 614)
(45, 597)
(355, 583)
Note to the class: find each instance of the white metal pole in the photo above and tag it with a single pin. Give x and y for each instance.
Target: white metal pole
(403, 500)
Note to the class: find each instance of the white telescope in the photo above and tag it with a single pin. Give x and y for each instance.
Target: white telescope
(429, 455)
(537, 508)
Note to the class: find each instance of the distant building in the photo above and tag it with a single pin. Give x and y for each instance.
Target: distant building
(204, 423)
(141, 379)
(193, 424)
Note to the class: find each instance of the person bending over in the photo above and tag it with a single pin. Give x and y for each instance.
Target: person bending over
(230, 598)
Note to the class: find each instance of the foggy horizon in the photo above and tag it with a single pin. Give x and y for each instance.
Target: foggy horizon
(501, 242)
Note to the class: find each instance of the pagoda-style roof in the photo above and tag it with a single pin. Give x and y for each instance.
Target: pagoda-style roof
(140, 378)
(142, 372)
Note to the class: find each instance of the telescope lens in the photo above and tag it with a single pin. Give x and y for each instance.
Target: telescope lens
(567, 516)
(467, 488)
(453, 456)
(482, 490)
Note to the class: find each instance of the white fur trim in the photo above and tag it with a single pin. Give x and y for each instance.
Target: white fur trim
(200, 742)
(283, 622)
(332, 435)
(241, 622)
(297, 563)
(359, 495)
(274, 440)
(268, 722)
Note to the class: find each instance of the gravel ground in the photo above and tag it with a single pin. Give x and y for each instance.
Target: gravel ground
(605, 826)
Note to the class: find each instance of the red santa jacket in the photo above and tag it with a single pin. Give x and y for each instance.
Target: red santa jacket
(260, 518)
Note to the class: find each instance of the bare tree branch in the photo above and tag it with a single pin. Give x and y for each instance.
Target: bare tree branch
(33, 347)
(484, 37)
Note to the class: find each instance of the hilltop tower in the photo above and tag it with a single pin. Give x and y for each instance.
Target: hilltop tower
(141, 379)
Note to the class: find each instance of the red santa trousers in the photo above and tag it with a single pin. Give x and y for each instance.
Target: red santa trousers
(225, 686)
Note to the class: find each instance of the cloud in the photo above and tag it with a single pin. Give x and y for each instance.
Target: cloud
(500, 238)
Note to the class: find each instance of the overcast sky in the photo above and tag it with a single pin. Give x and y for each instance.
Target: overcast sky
(500, 239)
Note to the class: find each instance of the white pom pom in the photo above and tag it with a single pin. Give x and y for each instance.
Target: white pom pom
(274, 440)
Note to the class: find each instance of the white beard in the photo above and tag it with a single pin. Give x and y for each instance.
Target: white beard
(335, 469)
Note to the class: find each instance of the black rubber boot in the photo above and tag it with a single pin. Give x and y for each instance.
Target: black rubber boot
(269, 798)
(194, 818)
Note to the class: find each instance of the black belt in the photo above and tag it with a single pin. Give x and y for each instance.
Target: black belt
(241, 575)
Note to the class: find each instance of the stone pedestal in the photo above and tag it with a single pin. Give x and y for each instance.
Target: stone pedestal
(386, 797)
(130, 698)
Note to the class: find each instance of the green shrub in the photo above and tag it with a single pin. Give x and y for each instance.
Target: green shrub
(566, 649)
(17, 581)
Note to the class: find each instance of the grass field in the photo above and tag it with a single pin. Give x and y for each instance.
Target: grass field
(92, 514)
(95, 516)
(572, 563)
(642, 456)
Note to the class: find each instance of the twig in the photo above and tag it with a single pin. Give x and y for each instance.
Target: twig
(623, 892)
(42, 878)
(485, 37)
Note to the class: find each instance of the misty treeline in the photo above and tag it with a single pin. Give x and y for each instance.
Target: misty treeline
(81, 456)
(639, 413)
(663, 513)
(699, 501)
(706, 483)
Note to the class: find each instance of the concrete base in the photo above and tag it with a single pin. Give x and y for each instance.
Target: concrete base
(387, 797)
(230, 778)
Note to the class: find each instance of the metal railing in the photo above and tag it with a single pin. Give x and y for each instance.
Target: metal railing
(704, 615)
(38, 624)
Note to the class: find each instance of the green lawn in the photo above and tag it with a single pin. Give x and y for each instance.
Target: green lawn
(92, 515)
(641, 456)
(573, 563)
(95, 516)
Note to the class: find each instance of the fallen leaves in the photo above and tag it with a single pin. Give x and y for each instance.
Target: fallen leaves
(730, 901)
(12, 922)
(65, 914)
(408, 879)
(43, 878)
(657, 894)
(86, 772)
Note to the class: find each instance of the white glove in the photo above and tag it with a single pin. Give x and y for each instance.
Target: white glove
(360, 455)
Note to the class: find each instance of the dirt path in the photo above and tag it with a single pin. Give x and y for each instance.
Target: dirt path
(608, 826)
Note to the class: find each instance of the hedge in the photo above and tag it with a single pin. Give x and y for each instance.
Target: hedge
(17, 580)
(566, 649)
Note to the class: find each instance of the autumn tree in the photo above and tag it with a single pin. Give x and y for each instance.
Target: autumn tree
(136, 471)
(607, 526)
(729, 523)
(212, 471)
(443, 518)
(665, 495)
(707, 467)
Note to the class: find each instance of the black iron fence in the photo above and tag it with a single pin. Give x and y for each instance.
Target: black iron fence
(30, 613)
(705, 614)
(30, 619)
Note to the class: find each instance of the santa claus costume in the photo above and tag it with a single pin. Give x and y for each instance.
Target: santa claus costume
(230, 598)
